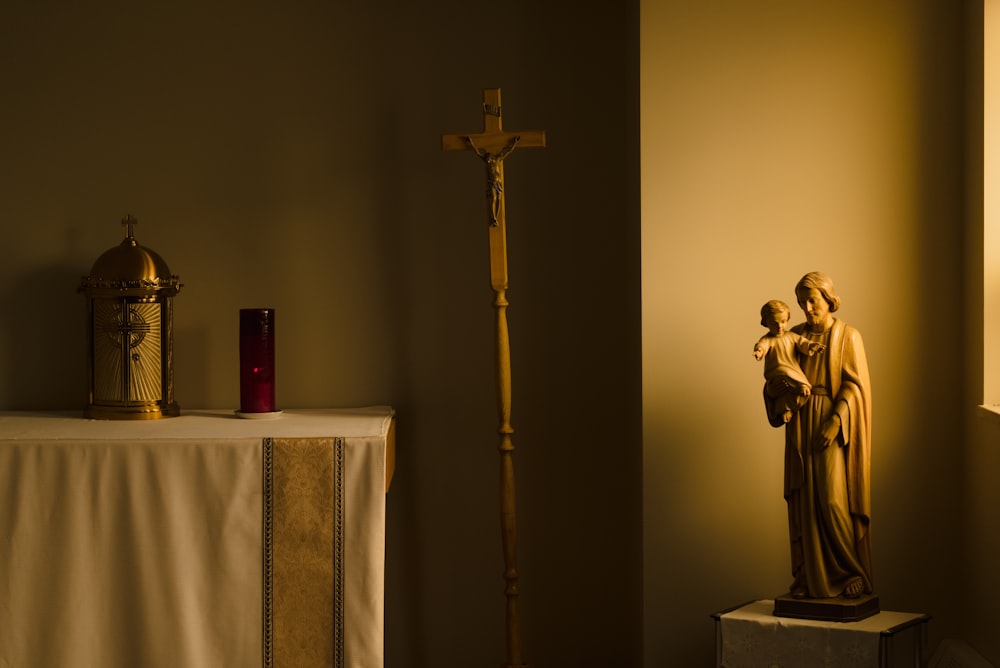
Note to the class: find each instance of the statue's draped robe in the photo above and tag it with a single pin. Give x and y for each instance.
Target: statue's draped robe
(828, 490)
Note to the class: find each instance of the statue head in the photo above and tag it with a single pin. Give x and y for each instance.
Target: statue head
(821, 282)
(771, 309)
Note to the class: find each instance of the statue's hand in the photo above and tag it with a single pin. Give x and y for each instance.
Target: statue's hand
(827, 435)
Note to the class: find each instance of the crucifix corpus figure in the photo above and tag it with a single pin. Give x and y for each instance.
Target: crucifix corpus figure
(494, 174)
(492, 146)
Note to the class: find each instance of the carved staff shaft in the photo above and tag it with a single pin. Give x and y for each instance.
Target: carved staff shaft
(492, 146)
(508, 501)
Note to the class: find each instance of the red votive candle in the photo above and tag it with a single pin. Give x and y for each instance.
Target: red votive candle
(257, 360)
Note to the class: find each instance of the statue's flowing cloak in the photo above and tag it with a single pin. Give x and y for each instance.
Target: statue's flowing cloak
(849, 388)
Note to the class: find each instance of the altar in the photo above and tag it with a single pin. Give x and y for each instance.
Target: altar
(201, 541)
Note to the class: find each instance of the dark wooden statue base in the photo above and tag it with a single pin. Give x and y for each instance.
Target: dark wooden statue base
(827, 609)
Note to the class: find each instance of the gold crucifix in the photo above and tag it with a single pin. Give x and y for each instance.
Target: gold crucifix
(492, 146)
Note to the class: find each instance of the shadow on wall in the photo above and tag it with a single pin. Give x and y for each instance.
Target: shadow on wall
(45, 335)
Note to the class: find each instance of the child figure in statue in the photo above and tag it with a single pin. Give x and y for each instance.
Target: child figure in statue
(786, 385)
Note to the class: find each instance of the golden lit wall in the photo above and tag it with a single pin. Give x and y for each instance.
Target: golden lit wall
(779, 138)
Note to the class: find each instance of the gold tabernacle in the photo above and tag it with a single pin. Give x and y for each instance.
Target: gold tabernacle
(130, 293)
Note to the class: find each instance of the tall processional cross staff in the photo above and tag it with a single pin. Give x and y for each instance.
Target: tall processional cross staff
(492, 146)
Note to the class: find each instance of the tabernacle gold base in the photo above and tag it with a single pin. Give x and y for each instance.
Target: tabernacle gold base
(144, 412)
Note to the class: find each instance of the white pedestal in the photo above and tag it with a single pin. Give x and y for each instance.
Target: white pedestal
(750, 636)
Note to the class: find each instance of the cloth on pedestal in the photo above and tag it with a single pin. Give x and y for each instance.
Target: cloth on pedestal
(753, 637)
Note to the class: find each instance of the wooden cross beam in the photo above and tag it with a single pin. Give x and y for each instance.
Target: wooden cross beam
(492, 146)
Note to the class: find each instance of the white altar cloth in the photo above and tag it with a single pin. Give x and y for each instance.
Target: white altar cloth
(145, 543)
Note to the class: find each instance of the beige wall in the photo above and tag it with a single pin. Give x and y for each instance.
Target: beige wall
(288, 155)
(779, 138)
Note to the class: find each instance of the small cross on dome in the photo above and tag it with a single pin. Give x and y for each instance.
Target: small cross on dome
(129, 222)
